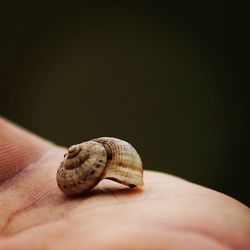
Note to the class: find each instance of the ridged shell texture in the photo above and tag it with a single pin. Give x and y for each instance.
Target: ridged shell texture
(86, 164)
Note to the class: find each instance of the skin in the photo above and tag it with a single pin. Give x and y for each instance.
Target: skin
(167, 213)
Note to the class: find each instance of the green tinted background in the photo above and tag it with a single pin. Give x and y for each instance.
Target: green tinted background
(170, 79)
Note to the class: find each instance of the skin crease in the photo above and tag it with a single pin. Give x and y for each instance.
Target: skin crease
(167, 213)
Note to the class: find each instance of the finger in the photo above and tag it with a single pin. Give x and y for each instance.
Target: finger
(18, 149)
(168, 211)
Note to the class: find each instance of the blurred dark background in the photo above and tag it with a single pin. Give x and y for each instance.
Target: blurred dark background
(171, 79)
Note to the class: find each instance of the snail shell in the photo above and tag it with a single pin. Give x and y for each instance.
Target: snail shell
(86, 164)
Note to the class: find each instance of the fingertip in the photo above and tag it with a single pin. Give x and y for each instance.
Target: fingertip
(18, 148)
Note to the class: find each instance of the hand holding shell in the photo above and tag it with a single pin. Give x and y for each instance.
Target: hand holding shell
(86, 164)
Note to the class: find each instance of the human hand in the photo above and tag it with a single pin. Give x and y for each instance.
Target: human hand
(167, 213)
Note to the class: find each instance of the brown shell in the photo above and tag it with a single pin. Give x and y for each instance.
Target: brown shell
(87, 163)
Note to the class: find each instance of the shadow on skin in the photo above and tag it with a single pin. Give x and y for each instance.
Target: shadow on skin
(106, 191)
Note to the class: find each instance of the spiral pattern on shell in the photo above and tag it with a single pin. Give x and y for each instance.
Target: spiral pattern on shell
(86, 164)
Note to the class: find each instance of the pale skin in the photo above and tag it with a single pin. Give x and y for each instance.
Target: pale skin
(167, 213)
